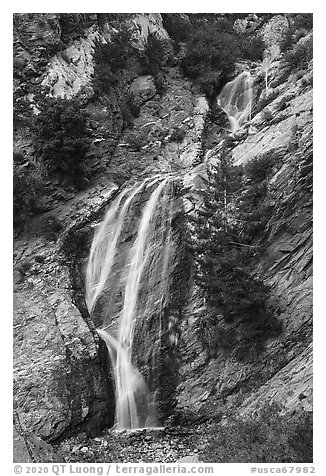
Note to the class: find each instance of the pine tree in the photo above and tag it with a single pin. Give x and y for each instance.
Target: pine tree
(222, 263)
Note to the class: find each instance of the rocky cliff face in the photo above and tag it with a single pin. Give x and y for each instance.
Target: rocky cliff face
(58, 352)
(61, 368)
(283, 373)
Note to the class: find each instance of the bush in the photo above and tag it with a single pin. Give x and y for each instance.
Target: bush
(178, 27)
(221, 244)
(211, 54)
(300, 55)
(177, 135)
(116, 52)
(22, 110)
(110, 58)
(62, 138)
(268, 437)
(72, 26)
(303, 20)
(254, 205)
(253, 48)
(128, 118)
(160, 83)
(27, 187)
(155, 54)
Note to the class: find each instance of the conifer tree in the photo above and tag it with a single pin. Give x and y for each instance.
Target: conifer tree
(222, 258)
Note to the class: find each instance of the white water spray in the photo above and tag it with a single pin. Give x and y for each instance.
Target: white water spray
(132, 396)
(236, 100)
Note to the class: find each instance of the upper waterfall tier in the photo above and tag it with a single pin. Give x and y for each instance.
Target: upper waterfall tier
(236, 100)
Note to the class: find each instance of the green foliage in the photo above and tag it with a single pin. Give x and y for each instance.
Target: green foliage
(110, 58)
(267, 437)
(62, 138)
(155, 54)
(254, 206)
(72, 26)
(129, 111)
(303, 20)
(220, 237)
(212, 51)
(22, 110)
(116, 52)
(177, 28)
(177, 135)
(300, 55)
(253, 48)
(27, 187)
(160, 83)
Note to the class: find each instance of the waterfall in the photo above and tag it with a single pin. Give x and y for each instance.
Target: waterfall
(133, 404)
(236, 100)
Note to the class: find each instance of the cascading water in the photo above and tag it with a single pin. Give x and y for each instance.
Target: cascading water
(236, 100)
(133, 405)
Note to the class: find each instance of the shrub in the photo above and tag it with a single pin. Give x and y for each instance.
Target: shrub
(128, 118)
(268, 437)
(27, 187)
(300, 55)
(303, 20)
(222, 253)
(177, 26)
(211, 56)
(62, 138)
(22, 110)
(110, 58)
(160, 83)
(177, 135)
(156, 54)
(253, 48)
(268, 115)
(254, 205)
(71, 26)
(116, 52)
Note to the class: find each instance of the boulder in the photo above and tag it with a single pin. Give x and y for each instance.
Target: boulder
(142, 89)
(28, 448)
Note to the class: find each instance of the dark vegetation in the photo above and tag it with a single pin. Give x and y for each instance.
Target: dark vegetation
(213, 48)
(110, 58)
(27, 187)
(225, 239)
(178, 134)
(300, 54)
(62, 138)
(73, 26)
(268, 437)
(61, 141)
(61, 135)
(156, 54)
(212, 51)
